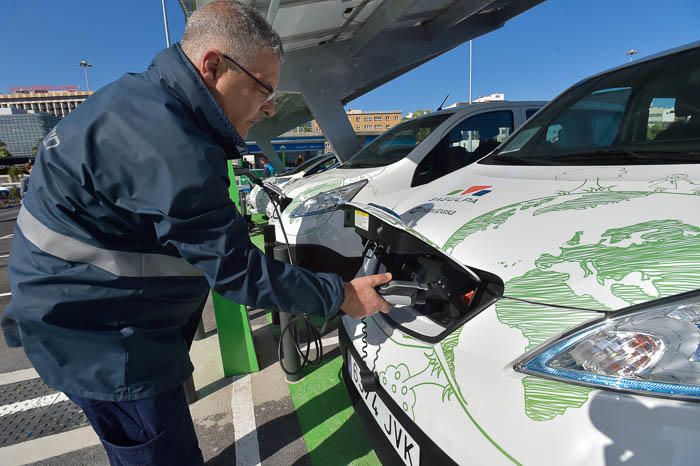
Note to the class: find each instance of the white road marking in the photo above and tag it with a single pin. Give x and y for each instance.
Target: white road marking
(26, 405)
(3, 256)
(6, 236)
(245, 432)
(5, 294)
(329, 341)
(18, 376)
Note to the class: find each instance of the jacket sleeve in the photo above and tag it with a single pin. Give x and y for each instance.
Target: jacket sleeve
(202, 223)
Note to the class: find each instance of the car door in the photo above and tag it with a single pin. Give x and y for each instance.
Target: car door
(466, 143)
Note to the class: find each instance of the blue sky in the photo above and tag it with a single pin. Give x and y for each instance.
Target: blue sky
(534, 56)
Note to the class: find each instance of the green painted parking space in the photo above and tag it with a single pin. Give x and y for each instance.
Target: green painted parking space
(331, 430)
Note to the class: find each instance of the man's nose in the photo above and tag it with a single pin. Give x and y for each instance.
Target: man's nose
(269, 108)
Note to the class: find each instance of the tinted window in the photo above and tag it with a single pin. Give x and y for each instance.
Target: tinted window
(396, 143)
(466, 143)
(529, 112)
(643, 114)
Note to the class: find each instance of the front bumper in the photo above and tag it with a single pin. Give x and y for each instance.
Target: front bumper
(430, 453)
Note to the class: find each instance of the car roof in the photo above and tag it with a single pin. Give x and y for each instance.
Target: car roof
(665, 53)
(479, 106)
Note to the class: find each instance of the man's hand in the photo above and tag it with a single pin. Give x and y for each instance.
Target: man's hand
(362, 300)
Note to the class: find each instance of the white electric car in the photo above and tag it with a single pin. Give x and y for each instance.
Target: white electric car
(407, 156)
(257, 200)
(550, 293)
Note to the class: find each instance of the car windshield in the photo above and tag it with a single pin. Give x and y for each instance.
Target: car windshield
(308, 163)
(396, 143)
(644, 114)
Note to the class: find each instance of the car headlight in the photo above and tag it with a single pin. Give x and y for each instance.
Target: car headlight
(328, 200)
(650, 349)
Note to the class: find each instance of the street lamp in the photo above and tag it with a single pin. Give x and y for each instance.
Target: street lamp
(165, 24)
(85, 66)
(470, 72)
(631, 53)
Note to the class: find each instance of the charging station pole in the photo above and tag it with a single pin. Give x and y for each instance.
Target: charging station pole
(232, 324)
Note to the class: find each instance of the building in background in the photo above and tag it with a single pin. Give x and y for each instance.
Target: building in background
(495, 97)
(308, 139)
(368, 125)
(56, 100)
(22, 130)
(373, 122)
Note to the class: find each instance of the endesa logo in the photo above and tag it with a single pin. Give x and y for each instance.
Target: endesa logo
(471, 194)
(477, 191)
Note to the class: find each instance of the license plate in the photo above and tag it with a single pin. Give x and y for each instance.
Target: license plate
(407, 448)
(362, 220)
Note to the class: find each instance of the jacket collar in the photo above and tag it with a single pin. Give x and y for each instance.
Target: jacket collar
(180, 77)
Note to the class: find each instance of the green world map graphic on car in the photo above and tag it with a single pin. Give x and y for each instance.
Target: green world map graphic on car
(437, 371)
(622, 265)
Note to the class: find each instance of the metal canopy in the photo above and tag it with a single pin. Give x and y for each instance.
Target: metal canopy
(338, 50)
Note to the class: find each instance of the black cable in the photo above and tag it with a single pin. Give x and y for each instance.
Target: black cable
(313, 336)
(352, 20)
(312, 333)
(365, 345)
(364, 339)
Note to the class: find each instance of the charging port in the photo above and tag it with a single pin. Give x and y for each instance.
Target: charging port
(432, 293)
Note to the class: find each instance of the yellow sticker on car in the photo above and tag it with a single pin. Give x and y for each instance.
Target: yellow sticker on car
(362, 220)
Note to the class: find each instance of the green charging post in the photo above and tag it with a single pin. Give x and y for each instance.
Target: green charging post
(233, 327)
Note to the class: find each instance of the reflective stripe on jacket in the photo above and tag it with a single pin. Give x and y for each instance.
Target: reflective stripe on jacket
(126, 226)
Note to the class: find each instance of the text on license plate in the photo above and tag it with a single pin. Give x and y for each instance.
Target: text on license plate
(405, 446)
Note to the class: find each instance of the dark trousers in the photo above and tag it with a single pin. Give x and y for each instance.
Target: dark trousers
(152, 431)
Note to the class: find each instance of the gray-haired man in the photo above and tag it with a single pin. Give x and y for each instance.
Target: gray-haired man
(127, 224)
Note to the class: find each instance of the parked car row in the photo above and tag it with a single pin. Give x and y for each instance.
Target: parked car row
(549, 267)
(413, 154)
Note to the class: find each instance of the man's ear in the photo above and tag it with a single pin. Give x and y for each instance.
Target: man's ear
(210, 67)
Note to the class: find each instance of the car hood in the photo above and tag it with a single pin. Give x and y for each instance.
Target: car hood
(601, 238)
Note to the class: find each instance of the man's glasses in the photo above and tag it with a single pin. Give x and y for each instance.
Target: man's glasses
(271, 93)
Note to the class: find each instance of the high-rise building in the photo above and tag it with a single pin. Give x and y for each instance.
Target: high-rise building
(21, 130)
(56, 100)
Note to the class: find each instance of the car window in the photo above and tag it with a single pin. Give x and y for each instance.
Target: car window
(529, 112)
(592, 121)
(396, 143)
(643, 114)
(466, 143)
(306, 164)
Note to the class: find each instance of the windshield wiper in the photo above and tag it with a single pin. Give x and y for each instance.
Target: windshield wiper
(358, 165)
(591, 153)
(622, 155)
(600, 156)
(499, 159)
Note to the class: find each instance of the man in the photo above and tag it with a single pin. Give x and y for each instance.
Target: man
(24, 183)
(127, 224)
(268, 168)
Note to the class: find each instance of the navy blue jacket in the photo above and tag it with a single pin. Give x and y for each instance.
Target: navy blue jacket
(126, 226)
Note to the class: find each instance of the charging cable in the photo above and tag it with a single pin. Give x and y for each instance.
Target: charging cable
(310, 332)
